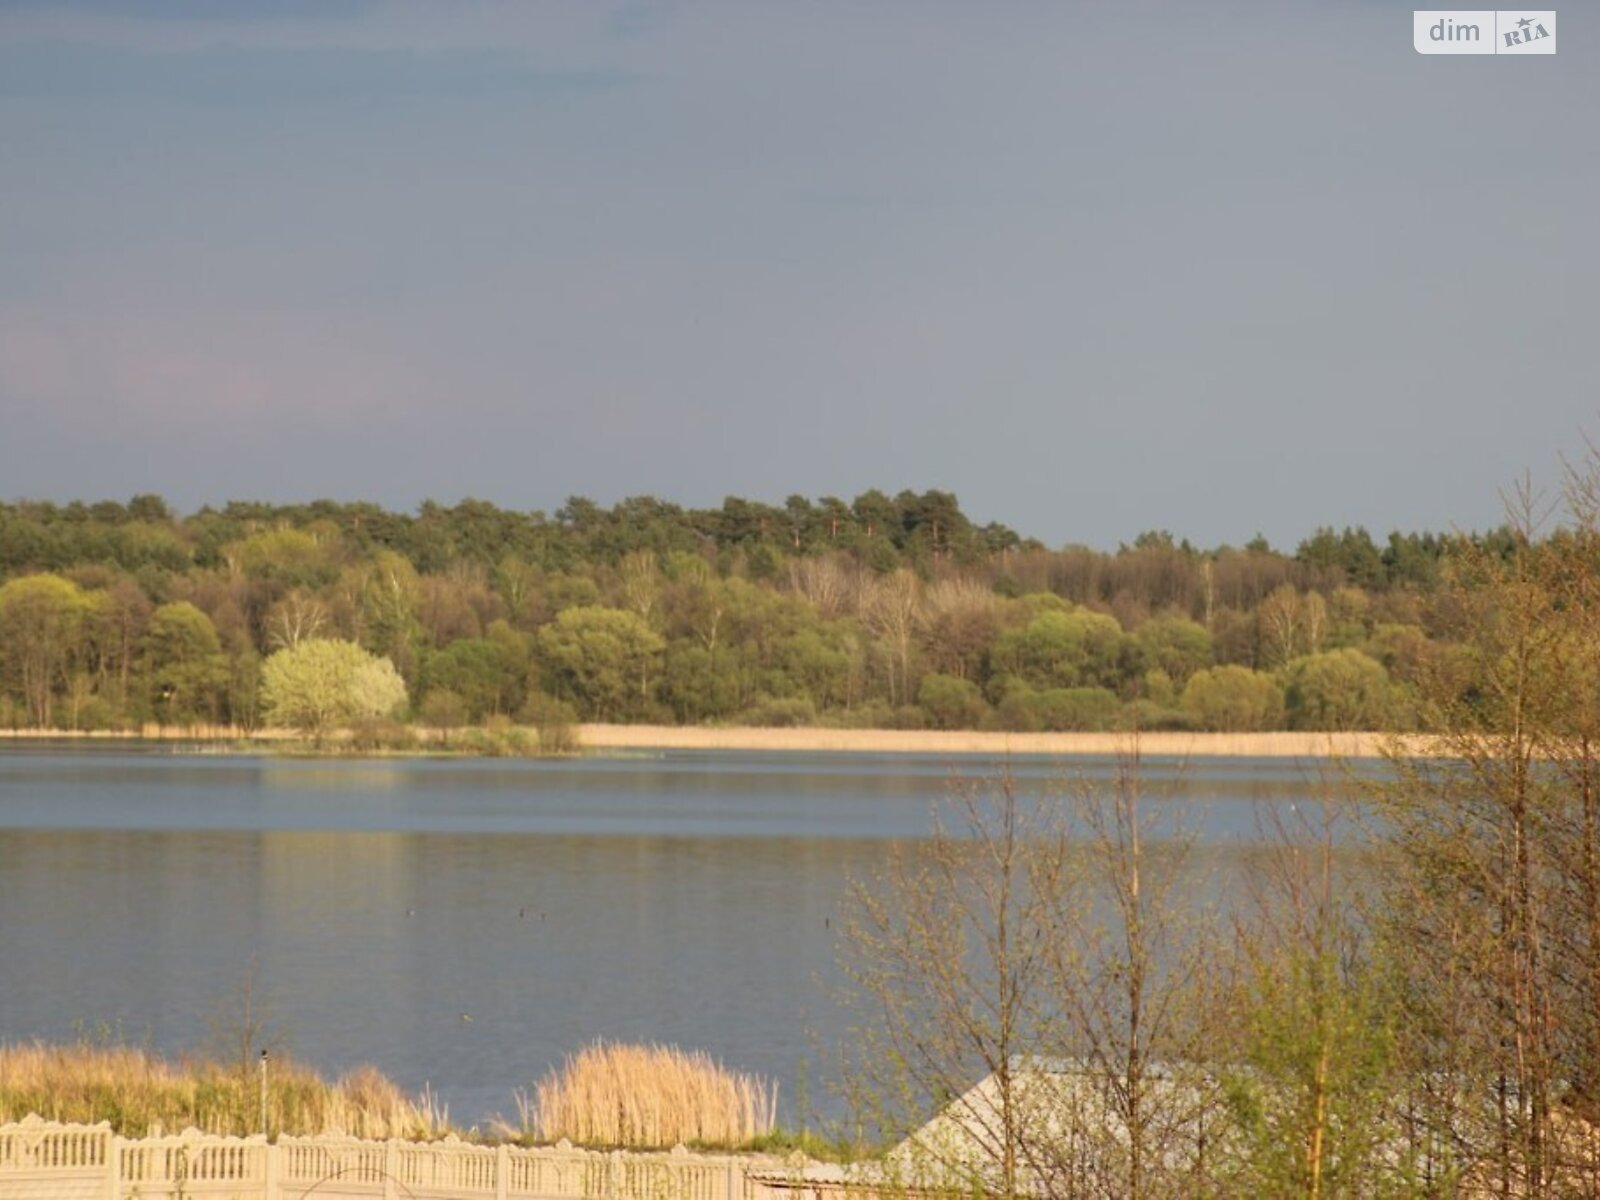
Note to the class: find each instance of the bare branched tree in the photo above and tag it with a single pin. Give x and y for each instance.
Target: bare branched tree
(890, 609)
(958, 622)
(1133, 1000)
(641, 582)
(1497, 899)
(1031, 1003)
(823, 581)
(298, 617)
(949, 953)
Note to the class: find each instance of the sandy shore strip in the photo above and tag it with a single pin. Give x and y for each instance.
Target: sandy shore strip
(601, 739)
(929, 741)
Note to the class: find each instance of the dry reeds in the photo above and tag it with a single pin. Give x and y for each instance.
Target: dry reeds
(647, 1097)
(1281, 744)
(135, 1090)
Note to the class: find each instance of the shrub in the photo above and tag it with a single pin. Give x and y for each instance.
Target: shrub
(554, 721)
(443, 710)
(1079, 708)
(788, 712)
(1015, 712)
(1342, 689)
(375, 733)
(952, 703)
(874, 714)
(1151, 717)
(498, 738)
(1233, 700)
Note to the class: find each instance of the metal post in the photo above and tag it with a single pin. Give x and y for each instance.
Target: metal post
(263, 1093)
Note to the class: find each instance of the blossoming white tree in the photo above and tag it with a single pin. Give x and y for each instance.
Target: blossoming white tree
(321, 684)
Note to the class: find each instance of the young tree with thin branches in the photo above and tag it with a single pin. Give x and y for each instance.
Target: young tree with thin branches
(1494, 907)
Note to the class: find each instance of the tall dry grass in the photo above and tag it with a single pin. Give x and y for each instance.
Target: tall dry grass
(648, 1097)
(135, 1090)
(1279, 744)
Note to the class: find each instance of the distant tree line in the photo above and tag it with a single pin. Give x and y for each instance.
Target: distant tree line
(882, 611)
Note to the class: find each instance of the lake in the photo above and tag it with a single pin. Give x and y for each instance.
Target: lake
(468, 923)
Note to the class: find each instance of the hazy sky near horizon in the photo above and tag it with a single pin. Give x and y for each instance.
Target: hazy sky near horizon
(1216, 268)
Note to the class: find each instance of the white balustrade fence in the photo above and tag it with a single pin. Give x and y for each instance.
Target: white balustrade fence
(40, 1160)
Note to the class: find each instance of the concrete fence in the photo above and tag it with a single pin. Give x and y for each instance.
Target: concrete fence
(40, 1160)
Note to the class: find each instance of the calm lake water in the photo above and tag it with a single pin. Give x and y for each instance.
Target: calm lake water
(466, 924)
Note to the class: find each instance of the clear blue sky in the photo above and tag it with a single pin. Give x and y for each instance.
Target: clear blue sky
(1217, 268)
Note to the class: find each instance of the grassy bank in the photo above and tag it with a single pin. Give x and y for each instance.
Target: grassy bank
(806, 739)
(137, 1091)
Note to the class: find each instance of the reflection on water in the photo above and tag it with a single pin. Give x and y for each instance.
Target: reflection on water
(688, 898)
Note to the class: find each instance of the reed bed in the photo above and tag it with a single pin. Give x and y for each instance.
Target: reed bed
(137, 1091)
(1280, 744)
(650, 1097)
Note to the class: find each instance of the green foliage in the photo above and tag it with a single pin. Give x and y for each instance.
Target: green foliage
(1147, 716)
(1351, 552)
(1062, 650)
(485, 675)
(684, 614)
(700, 685)
(606, 661)
(1233, 699)
(373, 735)
(554, 721)
(777, 714)
(952, 703)
(1174, 645)
(444, 710)
(498, 738)
(322, 684)
(41, 619)
(1061, 710)
(1405, 651)
(1014, 710)
(184, 664)
(292, 556)
(1341, 689)
(816, 662)
(1314, 1069)
(1159, 688)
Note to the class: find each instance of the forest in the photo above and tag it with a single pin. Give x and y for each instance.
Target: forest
(884, 611)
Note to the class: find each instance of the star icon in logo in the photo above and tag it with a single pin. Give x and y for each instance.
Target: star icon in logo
(1525, 22)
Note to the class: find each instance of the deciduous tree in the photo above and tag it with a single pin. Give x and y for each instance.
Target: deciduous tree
(1232, 699)
(322, 684)
(184, 665)
(604, 659)
(41, 619)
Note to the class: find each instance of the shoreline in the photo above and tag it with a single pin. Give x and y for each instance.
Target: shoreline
(600, 740)
(810, 739)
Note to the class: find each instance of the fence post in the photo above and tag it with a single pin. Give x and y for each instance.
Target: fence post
(391, 1170)
(113, 1166)
(735, 1192)
(502, 1172)
(269, 1184)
